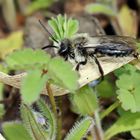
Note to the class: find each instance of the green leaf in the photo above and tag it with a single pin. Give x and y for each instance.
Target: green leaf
(72, 26)
(97, 8)
(127, 69)
(60, 21)
(32, 85)
(62, 74)
(38, 4)
(127, 100)
(127, 122)
(125, 82)
(11, 43)
(80, 129)
(85, 101)
(136, 134)
(28, 59)
(11, 129)
(47, 113)
(54, 25)
(36, 131)
(105, 89)
(2, 110)
(128, 92)
(65, 25)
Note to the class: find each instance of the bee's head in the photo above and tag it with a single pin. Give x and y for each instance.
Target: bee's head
(65, 47)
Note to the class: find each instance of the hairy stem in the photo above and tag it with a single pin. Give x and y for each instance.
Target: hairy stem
(51, 97)
(54, 108)
(98, 132)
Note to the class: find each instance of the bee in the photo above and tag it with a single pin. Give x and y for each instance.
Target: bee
(83, 47)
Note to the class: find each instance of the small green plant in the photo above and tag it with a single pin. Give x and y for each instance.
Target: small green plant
(63, 27)
(43, 126)
(43, 71)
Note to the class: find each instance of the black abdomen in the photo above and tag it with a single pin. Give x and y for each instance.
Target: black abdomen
(110, 49)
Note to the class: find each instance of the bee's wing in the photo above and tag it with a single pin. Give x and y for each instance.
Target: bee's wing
(126, 41)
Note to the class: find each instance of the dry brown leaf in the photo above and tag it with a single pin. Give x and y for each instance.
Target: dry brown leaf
(1, 137)
(88, 73)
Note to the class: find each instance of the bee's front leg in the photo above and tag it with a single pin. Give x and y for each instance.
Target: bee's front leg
(81, 63)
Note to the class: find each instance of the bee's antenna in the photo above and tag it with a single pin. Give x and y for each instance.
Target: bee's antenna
(48, 31)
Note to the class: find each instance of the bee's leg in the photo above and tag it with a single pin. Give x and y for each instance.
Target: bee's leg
(66, 58)
(99, 67)
(49, 46)
(80, 63)
(136, 55)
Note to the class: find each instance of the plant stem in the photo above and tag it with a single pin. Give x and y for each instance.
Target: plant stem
(98, 132)
(54, 108)
(109, 109)
(51, 97)
(59, 127)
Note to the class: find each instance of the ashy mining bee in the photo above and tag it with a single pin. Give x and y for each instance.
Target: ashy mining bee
(82, 47)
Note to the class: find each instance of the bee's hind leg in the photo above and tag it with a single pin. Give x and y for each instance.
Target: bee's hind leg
(99, 67)
(81, 63)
